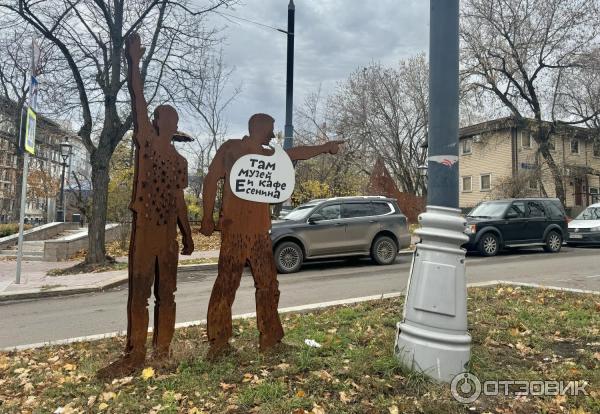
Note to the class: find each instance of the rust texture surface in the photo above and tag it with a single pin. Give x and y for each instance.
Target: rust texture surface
(381, 183)
(158, 208)
(245, 239)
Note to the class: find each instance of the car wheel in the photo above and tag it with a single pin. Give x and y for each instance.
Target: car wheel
(489, 244)
(553, 242)
(384, 250)
(288, 257)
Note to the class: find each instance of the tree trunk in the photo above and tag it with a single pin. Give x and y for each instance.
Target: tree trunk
(556, 174)
(96, 253)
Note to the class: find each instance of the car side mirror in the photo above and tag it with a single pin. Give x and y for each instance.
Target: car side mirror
(512, 215)
(315, 218)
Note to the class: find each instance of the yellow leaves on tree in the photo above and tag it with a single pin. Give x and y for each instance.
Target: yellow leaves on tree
(310, 190)
(40, 184)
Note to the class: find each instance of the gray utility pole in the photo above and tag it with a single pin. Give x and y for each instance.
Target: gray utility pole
(288, 142)
(27, 145)
(432, 337)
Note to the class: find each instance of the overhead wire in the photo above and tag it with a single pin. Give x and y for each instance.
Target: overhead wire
(231, 16)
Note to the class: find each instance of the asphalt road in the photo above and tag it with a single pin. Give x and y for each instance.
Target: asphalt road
(33, 321)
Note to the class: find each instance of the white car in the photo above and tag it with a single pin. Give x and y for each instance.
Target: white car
(585, 229)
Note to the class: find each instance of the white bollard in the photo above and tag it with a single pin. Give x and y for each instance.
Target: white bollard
(432, 337)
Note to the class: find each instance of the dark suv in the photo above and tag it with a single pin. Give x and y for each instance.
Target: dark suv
(340, 227)
(494, 225)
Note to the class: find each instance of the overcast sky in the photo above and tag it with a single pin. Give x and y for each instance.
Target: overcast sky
(332, 38)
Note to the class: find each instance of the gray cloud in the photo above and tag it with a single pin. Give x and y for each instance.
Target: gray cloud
(332, 39)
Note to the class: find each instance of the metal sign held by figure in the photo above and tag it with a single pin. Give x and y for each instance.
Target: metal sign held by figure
(255, 174)
(158, 208)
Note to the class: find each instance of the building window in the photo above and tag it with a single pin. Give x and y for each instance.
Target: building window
(486, 182)
(594, 195)
(574, 146)
(467, 184)
(525, 139)
(596, 148)
(533, 184)
(466, 146)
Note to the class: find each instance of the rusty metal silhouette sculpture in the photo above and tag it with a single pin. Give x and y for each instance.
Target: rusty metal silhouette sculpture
(382, 183)
(244, 225)
(158, 208)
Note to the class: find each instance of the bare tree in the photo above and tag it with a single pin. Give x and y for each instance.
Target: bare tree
(387, 109)
(517, 186)
(79, 194)
(89, 72)
(208, 97)
(318, 121)
(522, 52)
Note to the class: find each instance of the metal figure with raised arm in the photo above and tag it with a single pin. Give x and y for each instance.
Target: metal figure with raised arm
(158, 208)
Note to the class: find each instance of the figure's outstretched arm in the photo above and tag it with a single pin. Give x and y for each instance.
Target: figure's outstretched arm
(134, 52)
(182, 218)
(216, 172)
(306, 152)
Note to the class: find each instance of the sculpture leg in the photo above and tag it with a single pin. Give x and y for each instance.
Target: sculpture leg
(165, 285)
(140, 283)
(264, 272)
(231, 265)
(141, 273)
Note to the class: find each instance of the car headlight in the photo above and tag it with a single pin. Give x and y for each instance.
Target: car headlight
(471, 229)
(597, 228)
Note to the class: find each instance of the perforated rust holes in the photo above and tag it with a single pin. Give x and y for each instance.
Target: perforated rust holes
(162, 179)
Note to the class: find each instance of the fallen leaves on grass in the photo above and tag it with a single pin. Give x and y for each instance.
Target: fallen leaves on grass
(147, 373)
(357, 374)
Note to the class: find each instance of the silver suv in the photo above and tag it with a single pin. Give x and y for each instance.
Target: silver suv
(340, 227)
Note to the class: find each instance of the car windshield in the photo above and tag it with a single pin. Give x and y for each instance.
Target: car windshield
(590, 213)
(489, 210)
(300, 212)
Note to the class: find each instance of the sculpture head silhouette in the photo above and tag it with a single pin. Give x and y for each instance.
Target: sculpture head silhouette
(165, 121)
(261, 128)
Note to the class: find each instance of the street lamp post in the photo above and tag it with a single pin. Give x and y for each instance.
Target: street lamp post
(432, 337)
(65, 153)
(289, 84)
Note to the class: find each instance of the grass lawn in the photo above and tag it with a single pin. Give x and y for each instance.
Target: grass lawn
(85, 268)
(518, 333)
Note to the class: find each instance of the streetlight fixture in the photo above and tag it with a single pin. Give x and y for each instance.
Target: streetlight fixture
(432, 337)
(422, 170)
(65, 153)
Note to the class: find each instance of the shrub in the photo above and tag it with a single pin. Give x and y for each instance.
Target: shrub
(11, 228)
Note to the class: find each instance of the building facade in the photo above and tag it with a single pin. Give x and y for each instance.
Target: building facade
(500, 159)
(45, 167)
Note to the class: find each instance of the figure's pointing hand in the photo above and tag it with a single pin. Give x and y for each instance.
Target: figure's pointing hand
(334, 146)
(134, 47)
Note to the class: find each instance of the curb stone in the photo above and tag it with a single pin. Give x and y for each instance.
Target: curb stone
(102, 286)
(299, 308)
(97, 287)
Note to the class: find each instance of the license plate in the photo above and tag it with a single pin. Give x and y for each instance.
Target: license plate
(575, 236)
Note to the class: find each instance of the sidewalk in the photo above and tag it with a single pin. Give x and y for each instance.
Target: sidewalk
(36, 283)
